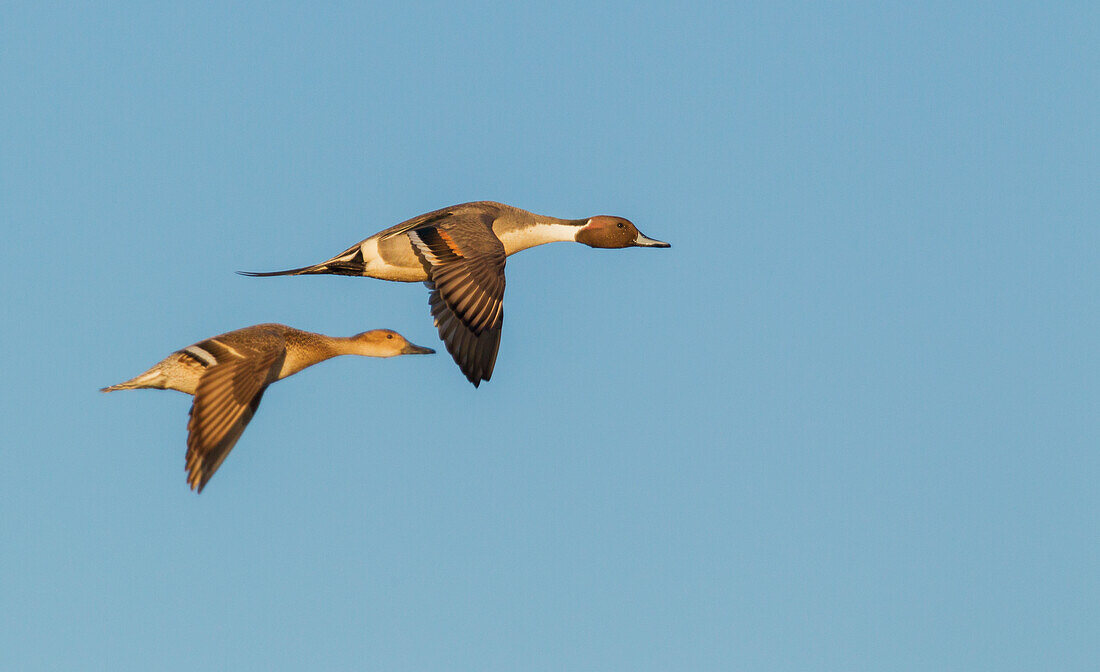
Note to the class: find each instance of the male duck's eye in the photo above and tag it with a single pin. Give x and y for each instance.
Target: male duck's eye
(621, 225)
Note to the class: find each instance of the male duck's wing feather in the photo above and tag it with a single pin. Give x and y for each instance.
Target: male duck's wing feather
(420, 220)
(225, 401)
(465, 263)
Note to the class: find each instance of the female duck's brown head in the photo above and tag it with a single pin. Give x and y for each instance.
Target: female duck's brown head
(385, 343)
(614, 232)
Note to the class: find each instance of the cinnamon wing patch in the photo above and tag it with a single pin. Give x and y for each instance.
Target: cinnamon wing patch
(465, 263)
(225, 401)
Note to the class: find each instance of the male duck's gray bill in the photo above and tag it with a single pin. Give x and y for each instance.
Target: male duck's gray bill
(642, 241)
(411, 349)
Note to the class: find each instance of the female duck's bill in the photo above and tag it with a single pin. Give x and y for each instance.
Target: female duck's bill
(228, 374)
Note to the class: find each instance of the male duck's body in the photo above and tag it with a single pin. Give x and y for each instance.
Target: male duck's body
(227, 374)
(459, 252)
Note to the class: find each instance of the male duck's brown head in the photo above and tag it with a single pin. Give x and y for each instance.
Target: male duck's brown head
(614, 232)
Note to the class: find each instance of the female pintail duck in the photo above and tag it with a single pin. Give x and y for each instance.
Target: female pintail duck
(228, 374)
(459, 253)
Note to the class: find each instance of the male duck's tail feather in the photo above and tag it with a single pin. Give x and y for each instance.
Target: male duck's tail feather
(305, 270)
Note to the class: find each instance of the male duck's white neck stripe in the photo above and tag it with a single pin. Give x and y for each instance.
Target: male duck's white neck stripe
(539, 234)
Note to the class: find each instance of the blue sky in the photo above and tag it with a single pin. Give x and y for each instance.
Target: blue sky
(848, 422)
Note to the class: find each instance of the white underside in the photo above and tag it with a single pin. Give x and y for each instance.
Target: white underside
(369, 249)
(513, 241)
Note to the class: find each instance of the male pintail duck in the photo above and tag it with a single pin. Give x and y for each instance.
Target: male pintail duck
(228, 374)
(459, 253)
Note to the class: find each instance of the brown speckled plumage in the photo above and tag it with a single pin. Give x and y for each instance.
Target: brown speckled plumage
(227, 374)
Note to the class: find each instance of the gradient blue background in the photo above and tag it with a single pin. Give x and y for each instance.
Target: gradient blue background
(848, 422)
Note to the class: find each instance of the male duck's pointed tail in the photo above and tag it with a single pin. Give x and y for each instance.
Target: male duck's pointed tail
(305, 270)
(348, 262)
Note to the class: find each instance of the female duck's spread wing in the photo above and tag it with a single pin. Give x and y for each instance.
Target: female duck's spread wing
(226, 399)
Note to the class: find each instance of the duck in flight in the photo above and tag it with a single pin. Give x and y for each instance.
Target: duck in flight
(459, 253)
(228, 374)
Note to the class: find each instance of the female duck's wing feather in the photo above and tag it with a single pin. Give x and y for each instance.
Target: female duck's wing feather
(465, 265)
(226, 399)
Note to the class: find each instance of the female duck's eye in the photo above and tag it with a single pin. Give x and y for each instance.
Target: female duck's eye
(389, 335)
(621, 225)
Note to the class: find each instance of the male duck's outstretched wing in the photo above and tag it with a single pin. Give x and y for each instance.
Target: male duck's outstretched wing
(227, 397)
(465, 264)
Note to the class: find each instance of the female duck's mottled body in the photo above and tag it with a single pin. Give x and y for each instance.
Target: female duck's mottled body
(227, 375)
(460, 252)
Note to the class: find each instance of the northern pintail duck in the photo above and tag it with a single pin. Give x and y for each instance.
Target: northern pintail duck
(459, 253)
(228, 374)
